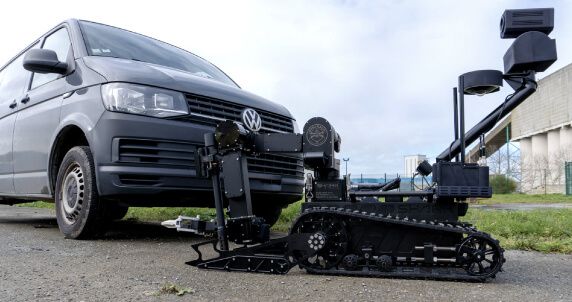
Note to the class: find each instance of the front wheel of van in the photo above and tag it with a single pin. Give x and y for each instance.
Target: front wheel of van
(271, 214)
(115, 211)
(79, 212)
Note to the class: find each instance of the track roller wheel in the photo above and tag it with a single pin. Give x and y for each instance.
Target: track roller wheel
(384, 263)
(330, 237)
(350, 262)
(481, 256)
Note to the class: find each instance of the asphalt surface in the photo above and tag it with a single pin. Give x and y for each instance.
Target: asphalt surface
(134, 260)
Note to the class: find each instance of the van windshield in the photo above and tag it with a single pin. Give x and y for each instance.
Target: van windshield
(108, 41)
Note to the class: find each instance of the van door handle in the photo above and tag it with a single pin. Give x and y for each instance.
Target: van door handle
(25, 100)
(13, 105)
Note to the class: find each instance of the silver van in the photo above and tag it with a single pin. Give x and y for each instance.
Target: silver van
(97, 119)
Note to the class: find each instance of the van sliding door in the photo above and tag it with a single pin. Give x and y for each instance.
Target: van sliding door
(37, 122)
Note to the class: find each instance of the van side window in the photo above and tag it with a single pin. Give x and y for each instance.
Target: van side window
(59, 42)
(13, 80)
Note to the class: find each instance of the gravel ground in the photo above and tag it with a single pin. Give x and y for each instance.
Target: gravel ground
(135, 260)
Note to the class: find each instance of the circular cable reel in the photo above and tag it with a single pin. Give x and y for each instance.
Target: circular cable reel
(328, 228)
(480, 255)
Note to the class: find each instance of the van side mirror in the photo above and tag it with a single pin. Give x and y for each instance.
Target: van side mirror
(44, 61)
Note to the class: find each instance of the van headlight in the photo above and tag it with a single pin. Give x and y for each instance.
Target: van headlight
(144, 100)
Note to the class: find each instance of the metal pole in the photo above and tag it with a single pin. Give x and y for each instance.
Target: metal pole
(221, 228)
(507, 132)
(462, 116)
(490, 120)
(219, 205)
(544, 181)
(346, 160)
(456, 117)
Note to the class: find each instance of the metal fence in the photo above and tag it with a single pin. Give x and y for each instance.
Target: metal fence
(530, 181)
(539, 181)
(568, 177)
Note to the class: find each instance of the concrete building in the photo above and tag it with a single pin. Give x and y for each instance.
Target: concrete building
(542, 125)
(411, 163)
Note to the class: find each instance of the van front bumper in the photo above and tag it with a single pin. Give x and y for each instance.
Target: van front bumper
(152, 161)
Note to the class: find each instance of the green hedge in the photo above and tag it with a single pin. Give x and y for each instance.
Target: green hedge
(502, 184)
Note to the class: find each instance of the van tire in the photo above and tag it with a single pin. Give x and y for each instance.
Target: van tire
(115, 211)
(271, 214)
(79, 212)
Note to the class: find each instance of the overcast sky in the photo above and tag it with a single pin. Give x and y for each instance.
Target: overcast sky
(380, 71)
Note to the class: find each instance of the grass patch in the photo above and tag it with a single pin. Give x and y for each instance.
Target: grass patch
(548, 231)
(288, 216)
(158, 214)
(143, 214)
(544, 230)
(525, 198)
(162, 214)
(37, 204)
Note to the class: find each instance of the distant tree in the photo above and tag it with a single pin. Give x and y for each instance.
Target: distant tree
(502, 184)
(497, 162)
(557, 162)
(534, 172)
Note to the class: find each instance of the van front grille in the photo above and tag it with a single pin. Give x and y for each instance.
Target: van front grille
(139, 180)
(209, 111)
(181, 155)
(157, 152)
(276, 164)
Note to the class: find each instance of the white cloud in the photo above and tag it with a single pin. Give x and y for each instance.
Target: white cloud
(381, 71)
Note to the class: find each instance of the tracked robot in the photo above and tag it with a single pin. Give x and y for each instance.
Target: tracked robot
(371, 230)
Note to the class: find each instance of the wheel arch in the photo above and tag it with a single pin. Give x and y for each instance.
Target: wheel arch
(67, 137)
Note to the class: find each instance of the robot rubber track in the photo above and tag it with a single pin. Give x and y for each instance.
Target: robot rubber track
(475, 257)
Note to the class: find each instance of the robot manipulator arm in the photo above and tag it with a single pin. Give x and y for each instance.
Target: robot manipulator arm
(318, 144)
(224, 157)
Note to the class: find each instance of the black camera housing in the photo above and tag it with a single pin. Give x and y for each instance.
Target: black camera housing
(515, 22)
(461, 180)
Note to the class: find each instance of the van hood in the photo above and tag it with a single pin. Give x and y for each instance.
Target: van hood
(122, 70)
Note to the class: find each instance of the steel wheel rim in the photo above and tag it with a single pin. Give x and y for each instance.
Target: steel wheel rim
(336, 236)
(481, 256)
(72, 193)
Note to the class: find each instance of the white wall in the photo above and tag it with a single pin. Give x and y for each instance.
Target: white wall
(539, 145)
(566, 137)
(411, 163)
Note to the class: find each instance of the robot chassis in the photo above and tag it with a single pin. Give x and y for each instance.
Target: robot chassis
(345, 229)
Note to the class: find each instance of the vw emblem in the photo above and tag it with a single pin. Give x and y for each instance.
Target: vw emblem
(251, 119)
